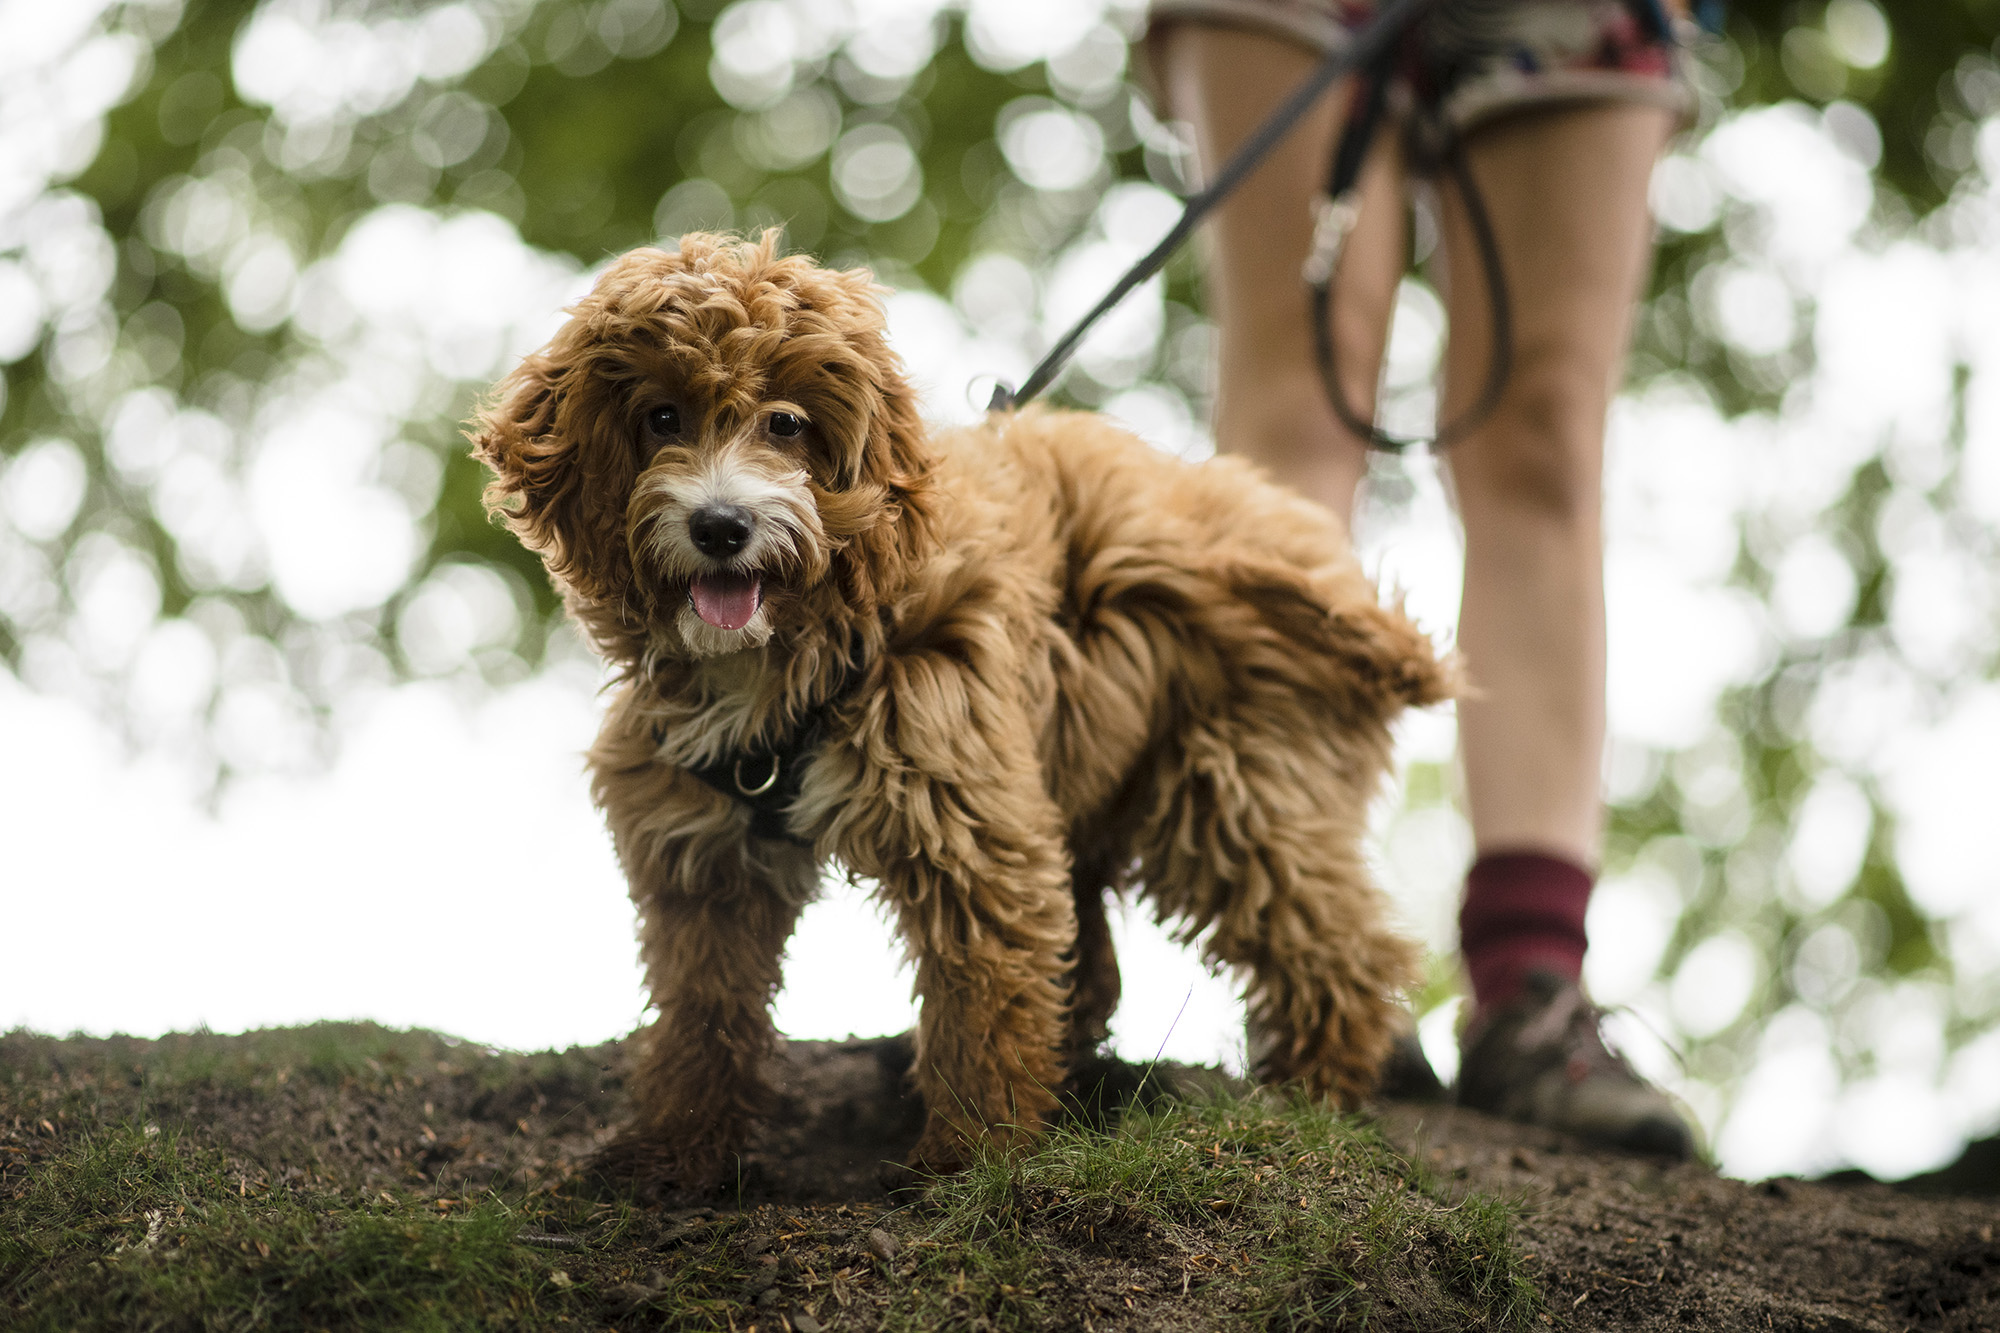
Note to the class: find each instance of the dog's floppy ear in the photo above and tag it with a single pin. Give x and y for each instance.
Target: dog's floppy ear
(898, 451)
(867, 411)
(881, 509)
(537, 433)
(896, 469)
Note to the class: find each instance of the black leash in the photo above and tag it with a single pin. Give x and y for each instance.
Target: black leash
(1371, 45)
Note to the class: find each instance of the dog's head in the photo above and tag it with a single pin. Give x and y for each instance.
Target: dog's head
(717, 444)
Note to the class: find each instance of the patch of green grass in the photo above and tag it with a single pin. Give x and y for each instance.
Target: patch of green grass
(998, 1282)
(124, 1228)
(129, 1227)
(1295, 1216)
(328, 1053)
(247, 1183)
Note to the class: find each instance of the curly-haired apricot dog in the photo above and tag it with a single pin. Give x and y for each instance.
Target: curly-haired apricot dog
(1001, 670)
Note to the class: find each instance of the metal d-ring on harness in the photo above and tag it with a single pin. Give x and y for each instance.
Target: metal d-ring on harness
(766, 778)
(746, 789)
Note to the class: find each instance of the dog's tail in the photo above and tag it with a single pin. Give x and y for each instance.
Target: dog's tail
(1371, 652)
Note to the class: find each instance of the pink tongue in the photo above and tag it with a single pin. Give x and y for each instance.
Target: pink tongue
(726, 601)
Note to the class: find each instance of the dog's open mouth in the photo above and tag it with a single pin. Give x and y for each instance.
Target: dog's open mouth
(726, 601)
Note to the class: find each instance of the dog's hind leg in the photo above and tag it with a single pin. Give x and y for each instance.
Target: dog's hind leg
(1094, 981)
(1255, 841)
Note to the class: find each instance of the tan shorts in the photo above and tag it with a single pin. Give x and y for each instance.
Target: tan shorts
(1475, 59)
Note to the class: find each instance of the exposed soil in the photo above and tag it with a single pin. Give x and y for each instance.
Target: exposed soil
(1617, 1242)
(1625, 1243)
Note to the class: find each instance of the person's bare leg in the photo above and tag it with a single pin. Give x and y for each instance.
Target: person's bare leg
(1566, 190)
(1567, 194)
(1270, 406)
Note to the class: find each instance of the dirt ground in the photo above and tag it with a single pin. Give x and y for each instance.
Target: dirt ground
(1624, 1243)
(1617, 1242)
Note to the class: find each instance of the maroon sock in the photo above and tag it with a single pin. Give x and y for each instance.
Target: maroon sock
(1523, 913)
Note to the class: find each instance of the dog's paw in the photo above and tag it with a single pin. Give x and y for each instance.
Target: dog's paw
(911, 1177)
(941, 1151)
(903, 1179)
(640, 1167)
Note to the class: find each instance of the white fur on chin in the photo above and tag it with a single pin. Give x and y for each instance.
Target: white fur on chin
(706, 640)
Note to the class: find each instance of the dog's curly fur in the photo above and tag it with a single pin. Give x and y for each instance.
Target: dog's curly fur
(1049, 661)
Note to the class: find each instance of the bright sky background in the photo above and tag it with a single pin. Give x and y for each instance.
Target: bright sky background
(447, 870)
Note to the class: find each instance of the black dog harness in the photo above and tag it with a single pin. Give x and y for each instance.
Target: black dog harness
(767, 778)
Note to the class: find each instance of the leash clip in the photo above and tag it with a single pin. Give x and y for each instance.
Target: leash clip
(1333, 222)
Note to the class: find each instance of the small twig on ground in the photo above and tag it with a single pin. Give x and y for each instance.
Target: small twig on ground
(549, 1242)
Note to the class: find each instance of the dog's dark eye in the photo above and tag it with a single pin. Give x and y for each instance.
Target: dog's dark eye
(664, 420)
(786, 424)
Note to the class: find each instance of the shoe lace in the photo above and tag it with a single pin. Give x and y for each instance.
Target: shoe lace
(1566, 1033)
(1667, 1043)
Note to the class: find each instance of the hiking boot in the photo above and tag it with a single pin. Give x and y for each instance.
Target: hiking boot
(1540, 1060)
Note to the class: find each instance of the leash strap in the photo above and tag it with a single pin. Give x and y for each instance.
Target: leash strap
(1373, 50)
(1370, 43)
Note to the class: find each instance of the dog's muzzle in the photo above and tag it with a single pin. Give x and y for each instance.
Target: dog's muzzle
(725, 599)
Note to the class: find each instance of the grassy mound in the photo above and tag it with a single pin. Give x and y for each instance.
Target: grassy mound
(299, 1179)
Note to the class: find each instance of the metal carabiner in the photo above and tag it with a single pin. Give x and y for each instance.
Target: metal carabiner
(1333, 221)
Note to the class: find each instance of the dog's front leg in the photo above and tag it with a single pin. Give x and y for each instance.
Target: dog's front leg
(713, 965)
(715, 911)
(968, 849)
(991, 953)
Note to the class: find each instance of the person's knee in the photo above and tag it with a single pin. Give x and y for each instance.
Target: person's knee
(1282, 423)
(1540, 452)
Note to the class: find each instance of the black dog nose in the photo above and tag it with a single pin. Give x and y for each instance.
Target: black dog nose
(719, 530)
